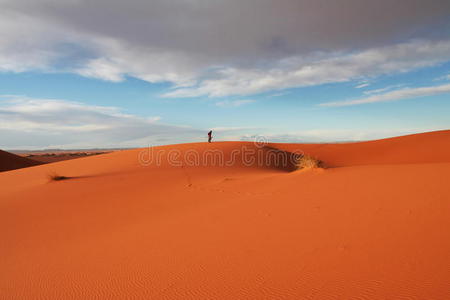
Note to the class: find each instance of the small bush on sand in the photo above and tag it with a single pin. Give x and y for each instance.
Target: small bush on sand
(56, 177)
(305, 162)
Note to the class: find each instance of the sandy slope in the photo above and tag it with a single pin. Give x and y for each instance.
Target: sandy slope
(374, 228)
(9, 161)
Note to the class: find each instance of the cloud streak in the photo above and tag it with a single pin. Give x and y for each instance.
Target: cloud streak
(43, 123)
(406, 93)
(326, 68)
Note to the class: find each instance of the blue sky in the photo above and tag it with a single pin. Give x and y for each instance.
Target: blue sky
(69, 82)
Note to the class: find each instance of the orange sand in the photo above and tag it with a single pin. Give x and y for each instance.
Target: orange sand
(374, 227)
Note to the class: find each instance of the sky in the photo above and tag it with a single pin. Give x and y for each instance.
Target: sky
(117, 74)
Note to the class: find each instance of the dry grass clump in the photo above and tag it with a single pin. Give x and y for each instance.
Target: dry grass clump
(306, 162)
(56, 177)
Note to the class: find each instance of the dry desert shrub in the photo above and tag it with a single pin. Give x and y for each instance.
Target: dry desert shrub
(56, 177)
(306, 162)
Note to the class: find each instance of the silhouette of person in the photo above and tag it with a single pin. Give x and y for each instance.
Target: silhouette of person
(209, 136)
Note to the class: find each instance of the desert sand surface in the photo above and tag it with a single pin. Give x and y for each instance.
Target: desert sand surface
(373, 225)
(10, 161)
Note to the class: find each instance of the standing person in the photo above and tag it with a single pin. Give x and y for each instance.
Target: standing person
(209, 136)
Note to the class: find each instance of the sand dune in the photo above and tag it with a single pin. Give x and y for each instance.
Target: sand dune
(9, 161)
(50, 156)
(432, 147)
(127, 226)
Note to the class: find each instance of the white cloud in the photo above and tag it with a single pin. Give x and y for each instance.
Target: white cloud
(382, 90)
(102, 69)
(442, 78)
(24, 45)
(281, 94)
(48, 123)
(406, 93)
(205, 49)
(338, 67)
(362, 85)
(234, 103)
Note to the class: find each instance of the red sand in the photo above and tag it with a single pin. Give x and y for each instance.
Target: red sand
(376, 227)
(9, 161)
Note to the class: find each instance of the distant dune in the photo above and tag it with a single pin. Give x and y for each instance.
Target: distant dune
(232, 220)
(9, 161)
(60, 155)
